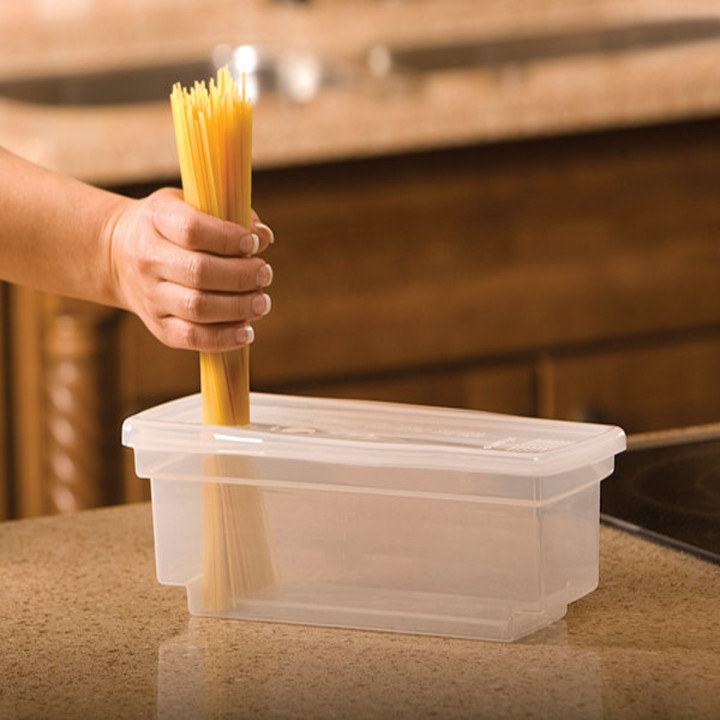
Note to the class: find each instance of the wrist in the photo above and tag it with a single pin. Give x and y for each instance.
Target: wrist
(110, 245)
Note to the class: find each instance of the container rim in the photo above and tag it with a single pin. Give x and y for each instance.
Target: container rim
(425, 437)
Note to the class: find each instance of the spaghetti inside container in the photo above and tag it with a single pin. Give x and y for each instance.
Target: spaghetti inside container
(213, 129)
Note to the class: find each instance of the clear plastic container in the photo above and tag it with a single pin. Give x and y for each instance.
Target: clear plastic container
(383, 516)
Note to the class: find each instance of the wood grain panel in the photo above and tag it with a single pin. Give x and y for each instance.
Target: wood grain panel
(151, 372)
(510, 388)
(27, 320)
(641, 387)
(504, 389)
(488, 251)
(5, 418)
(81, 406)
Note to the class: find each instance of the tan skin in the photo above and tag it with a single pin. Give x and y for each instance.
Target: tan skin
(194, 280)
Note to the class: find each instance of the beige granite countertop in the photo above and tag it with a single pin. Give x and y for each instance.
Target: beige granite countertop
(128, 144)
(87, 632)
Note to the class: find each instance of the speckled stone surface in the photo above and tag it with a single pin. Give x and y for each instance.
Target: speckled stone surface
(87, 632)
(367, 117)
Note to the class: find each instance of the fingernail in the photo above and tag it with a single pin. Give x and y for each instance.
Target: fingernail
(245, 335)
(250, 243)
(264, 275)
(263, 228)
(261, 304)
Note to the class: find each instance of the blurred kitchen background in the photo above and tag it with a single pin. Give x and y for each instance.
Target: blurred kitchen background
(504, 205)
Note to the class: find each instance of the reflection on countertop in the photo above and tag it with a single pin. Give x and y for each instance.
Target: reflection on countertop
(88, 632)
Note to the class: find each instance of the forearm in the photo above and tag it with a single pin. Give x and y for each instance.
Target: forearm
(55, 231)
(191, 278)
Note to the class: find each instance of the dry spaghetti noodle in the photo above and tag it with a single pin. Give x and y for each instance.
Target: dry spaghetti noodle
(213, 129)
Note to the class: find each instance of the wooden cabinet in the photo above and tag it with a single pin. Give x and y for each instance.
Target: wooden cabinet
(641, 386)
(490, 252)
(569, 277)
(507, 388)
(65, 406)
(4, 409)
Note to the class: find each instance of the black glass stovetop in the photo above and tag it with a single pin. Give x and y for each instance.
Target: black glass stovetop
(666, 487)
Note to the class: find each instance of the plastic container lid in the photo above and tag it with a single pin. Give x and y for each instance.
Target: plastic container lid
(384, 435)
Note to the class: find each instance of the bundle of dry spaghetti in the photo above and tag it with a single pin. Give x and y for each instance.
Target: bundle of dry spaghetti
(213, 129)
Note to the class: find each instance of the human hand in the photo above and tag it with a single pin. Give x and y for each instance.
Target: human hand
(191, 278)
